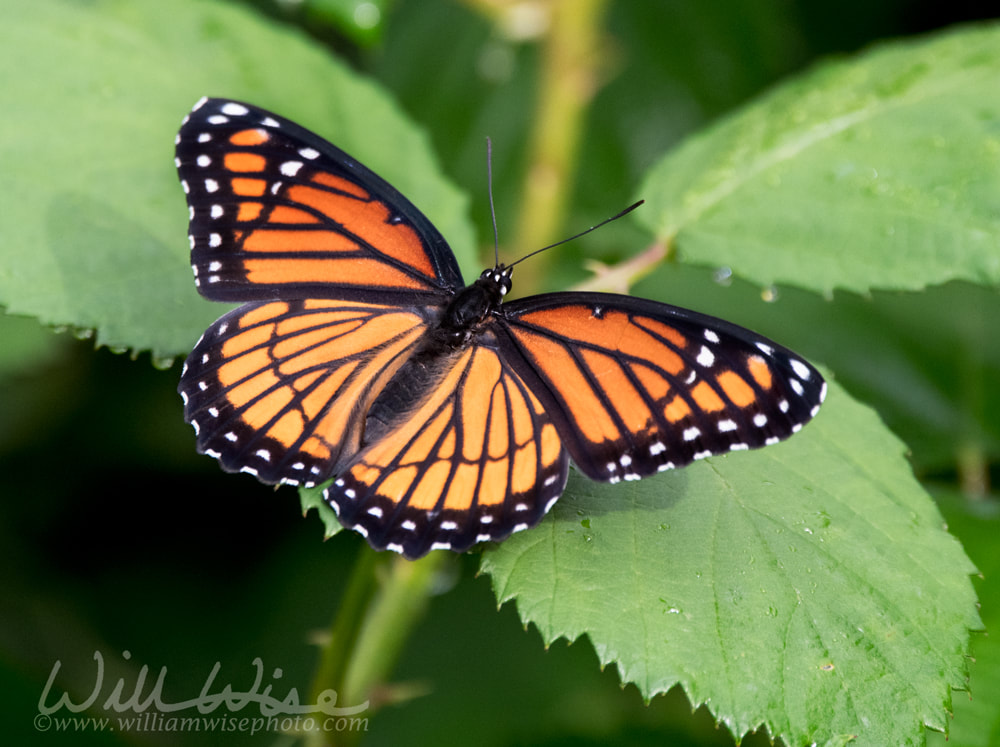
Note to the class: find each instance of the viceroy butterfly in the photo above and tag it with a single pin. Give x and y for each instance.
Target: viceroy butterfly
(444, 416)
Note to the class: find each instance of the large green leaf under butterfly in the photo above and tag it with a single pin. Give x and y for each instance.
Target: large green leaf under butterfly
(810, 588)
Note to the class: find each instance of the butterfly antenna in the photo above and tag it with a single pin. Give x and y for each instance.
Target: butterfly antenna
(604, 222)
(493, 211)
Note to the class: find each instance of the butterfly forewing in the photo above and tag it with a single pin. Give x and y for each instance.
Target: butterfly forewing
(477, 459)
(636, 387)
(276, 209)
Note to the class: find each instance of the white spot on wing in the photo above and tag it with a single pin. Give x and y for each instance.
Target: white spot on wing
(801, 369)
(234, 110)
(291, 168)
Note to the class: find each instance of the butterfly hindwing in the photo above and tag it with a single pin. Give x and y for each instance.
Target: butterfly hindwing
(636, 387)
(279, 389)
(276, 211)
(476, 459)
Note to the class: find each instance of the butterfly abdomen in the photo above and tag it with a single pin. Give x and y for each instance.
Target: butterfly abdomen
(405, 391)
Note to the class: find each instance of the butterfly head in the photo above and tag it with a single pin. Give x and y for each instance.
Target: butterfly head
(497, 277)
(474, 304)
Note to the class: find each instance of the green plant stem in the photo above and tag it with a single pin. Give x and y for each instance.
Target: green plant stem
(973, 471)
(620, 277)
(569, 78)
(385, 598)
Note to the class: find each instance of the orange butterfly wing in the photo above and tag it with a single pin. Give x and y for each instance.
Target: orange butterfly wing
(636, 387)
(276, 211)
(279, 389)
(475, 459)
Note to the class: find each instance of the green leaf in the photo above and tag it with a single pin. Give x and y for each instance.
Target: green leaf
(879, 171)
(93, 230)
(809, 587)
(312, 498)
(977, 716)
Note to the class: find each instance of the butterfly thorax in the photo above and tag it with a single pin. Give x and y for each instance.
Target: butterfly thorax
(472, 306)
